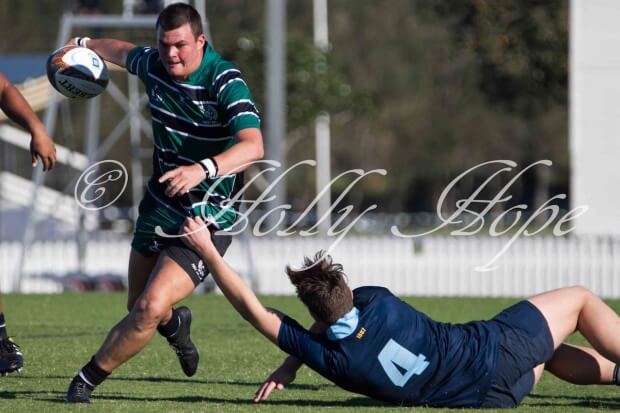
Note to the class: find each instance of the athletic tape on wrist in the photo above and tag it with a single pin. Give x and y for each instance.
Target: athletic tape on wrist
(210, 167)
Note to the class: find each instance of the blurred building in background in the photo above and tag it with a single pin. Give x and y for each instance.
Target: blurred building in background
(595, 115)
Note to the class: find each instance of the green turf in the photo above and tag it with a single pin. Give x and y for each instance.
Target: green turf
(59, 333)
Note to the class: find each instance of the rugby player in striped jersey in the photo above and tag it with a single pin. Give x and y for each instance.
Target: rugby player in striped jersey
(206, 128)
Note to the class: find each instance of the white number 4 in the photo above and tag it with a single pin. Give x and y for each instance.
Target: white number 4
(393, 355)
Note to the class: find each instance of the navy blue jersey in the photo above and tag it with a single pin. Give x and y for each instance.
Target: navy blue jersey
(386, 349)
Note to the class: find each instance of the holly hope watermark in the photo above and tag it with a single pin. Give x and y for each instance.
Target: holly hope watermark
(472, 214)
(93, 184)
(273, 221)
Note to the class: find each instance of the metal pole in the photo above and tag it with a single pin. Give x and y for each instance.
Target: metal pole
(201, 6)
(128, 6)
(323, 170)
(275, 120)
(91, 128)
(321, 27)
(134, 136)
(322, 125)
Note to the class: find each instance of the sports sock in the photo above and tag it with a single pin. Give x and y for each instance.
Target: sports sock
(92, 374)
(169, 329)
(3, 333)
(616, 376)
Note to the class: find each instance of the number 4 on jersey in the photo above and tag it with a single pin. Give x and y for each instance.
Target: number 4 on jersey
(400, 364)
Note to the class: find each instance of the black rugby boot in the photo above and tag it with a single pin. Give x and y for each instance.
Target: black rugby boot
(11, 357)
(182, 344)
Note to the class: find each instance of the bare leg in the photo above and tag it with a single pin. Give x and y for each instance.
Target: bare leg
(140, 269)
(580, 365)
(168, 285)
(538, 371)
(577, 308)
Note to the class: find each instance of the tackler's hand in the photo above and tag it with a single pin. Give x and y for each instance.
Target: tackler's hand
(196, 235)
(278, 380)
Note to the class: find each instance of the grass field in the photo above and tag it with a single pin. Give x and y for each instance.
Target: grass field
(59, 333)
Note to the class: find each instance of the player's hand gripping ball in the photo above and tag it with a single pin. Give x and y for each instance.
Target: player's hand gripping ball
(77, 72)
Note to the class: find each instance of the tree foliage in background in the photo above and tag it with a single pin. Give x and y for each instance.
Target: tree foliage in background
(313, 81)
(522, 59)
(521, 49)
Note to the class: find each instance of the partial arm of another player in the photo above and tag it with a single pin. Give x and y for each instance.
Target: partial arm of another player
(249, 148)
(17, 109)
(111, 50)
(267, 321)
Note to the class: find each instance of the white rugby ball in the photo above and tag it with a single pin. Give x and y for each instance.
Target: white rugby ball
(77, 72)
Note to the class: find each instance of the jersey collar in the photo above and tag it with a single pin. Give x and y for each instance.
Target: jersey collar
(344, 326)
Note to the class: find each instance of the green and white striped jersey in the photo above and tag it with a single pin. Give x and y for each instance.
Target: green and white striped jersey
(192, 120)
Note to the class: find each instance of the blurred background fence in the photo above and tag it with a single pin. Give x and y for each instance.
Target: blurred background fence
(443, 265)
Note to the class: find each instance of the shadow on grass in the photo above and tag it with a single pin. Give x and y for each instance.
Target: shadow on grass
(254, 384)
(64, 334)
(352, 402)
(225, 382)
(534, 400)
(59, 398)
(33, 395)
(548, 400)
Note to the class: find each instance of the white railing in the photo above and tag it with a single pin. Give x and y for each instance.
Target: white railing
(434, 266)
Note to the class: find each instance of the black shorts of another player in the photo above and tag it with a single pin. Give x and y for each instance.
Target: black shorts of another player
(186, 257)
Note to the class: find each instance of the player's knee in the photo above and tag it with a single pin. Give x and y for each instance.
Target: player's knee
(150, 312)
(581, 291)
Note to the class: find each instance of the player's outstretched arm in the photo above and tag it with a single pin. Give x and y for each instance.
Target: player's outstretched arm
(111, 50)
(267, 321)
(18, 110)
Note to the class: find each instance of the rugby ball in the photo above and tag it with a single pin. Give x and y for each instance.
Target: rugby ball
(77, 72)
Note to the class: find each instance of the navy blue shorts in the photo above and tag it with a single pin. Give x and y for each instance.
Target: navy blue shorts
(526, 342)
